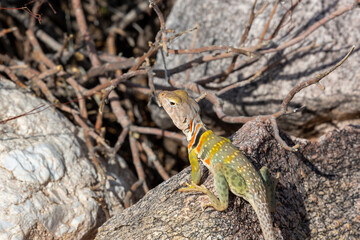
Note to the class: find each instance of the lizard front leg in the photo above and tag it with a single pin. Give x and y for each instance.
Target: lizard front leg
(195, 167)
(195, 172)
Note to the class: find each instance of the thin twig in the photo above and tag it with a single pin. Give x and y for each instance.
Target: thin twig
(279, 139)
(157, 131)
(11, 75)
(269, 20)
(155, 47)
(137, 162)
(242, 41)
(244, 51)
(153, 159)
(7, 30)
(248, 25)
(311, 29)
(264, 69)
(280, 24)
(121, 139)
(129, 194)
(162, 23)
(310, 82)
(192, 45)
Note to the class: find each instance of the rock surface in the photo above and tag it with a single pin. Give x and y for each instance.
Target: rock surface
(223, 22)
(318, 194)
(45, 173)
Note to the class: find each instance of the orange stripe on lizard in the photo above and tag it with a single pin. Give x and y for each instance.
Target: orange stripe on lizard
(193, 136)
(207, 160)
(191, 123)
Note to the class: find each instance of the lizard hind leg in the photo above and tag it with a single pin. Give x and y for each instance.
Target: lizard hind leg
(270, 186)
(235, 181)
(222, 190)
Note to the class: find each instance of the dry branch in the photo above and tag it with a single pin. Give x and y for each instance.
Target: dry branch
(44, 69)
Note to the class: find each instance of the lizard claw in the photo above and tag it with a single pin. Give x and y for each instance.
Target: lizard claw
(192, 187)
(205, 205)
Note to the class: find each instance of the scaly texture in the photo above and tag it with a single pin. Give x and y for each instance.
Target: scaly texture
(231, 169)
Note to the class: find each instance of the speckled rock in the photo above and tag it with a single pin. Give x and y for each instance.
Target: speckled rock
(45, 173)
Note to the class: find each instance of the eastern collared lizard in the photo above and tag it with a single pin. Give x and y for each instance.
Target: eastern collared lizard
(230, 167)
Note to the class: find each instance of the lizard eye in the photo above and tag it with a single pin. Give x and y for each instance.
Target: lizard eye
(174, 100)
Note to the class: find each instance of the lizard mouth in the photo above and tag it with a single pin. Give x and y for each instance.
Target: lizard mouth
(159, 103)
(158, 99)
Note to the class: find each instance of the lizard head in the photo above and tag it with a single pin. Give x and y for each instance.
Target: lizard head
(182, 109)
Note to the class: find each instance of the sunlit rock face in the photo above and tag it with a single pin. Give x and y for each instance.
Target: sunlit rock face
(45, 175)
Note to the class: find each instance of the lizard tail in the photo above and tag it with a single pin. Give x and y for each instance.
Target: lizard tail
(263, 213)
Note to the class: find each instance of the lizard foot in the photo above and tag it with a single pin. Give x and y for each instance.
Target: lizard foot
(192, 187)
(214, 201)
